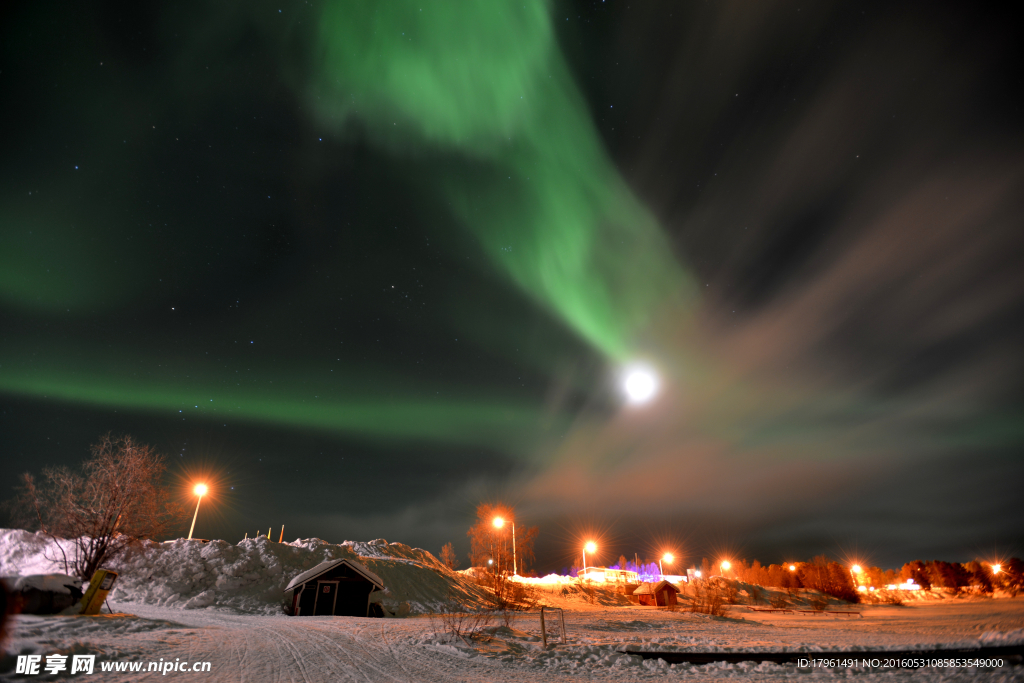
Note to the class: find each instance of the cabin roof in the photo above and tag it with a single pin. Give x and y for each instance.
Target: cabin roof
(324, 567)
(652, 588)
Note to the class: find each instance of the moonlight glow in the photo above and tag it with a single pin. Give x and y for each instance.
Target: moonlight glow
(640, 384)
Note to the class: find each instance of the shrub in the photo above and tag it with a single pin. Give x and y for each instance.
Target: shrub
(708, 598)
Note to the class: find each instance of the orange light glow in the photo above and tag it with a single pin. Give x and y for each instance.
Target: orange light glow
(668, 558)
(856, 569)
(996, 568)
(792, 567)
(590, 546)
(200, 490)
(725, 565)
(498, 522)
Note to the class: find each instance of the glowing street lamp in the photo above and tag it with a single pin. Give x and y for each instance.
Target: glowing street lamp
(725, 566)
(792, 567)
(668, 557)
(500, 522)
(996, 568)
(856, 572)
(200, 490)
(588, 547)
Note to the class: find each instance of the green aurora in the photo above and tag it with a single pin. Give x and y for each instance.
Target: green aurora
(484, 86)
(487, 83)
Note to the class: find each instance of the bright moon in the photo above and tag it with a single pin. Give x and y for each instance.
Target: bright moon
(641, 384)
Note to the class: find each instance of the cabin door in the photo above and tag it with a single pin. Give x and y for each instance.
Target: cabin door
(326, 598)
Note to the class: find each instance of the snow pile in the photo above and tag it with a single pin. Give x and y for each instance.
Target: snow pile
(23, 553)
(49, 583)
(550, 579)
(997, 638)
(250, 577)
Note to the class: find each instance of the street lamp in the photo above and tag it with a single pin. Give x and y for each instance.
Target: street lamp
(200, 490)
(588, 547)
(498, 523)
(996, 568)
(792, 567)
(667, 558)
(725, 566)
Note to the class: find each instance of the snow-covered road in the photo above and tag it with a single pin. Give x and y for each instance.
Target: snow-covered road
(263, 649)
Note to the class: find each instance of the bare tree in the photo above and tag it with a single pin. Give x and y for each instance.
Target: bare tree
(448, 557)
(116, 499)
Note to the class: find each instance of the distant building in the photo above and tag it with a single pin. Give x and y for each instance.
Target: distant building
(661, 594)
(334, 588)
(609, 575)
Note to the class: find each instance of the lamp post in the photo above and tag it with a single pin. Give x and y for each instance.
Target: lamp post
(498, 523)
(588, 547)
(725, 566)
(199, 490)
(857, 572)
(667, 558)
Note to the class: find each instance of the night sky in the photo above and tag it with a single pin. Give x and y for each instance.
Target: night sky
(364, 266)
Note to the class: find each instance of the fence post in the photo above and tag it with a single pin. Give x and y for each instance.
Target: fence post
(543, 633)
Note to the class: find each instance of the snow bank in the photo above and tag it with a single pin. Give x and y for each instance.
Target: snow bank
(250, 577)
(50, 583)
(549, 580)
(23, 553)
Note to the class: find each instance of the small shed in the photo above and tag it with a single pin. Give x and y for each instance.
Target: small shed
(661, 594)
(334, 588)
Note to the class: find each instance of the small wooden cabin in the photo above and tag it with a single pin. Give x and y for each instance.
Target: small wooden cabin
(335, 588)
(661, 594)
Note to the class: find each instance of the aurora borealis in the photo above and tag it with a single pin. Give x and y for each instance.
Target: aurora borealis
(374, 263)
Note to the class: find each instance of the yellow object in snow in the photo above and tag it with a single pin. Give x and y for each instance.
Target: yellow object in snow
(101, 583)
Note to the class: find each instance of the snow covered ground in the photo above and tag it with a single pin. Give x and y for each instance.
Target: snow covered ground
(279, 648)
(245, 639)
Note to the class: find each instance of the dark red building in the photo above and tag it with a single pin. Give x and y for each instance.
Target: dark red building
(661, 594)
